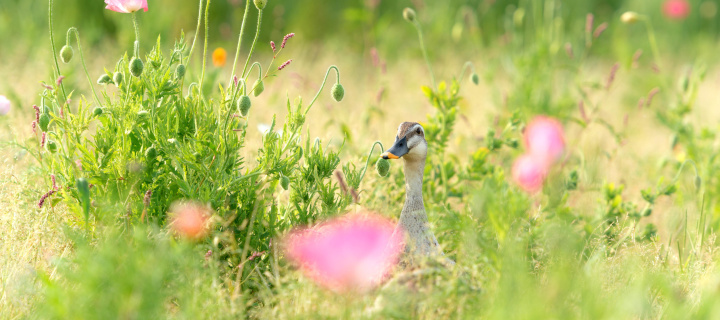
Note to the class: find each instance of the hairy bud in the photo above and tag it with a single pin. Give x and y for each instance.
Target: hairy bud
(475, 78)
(244, 105)
(338, 92)
(136, 67)
(259, 87)
(284, 182)
(51, 146)
(180, 71)
(66, 53)
(118, 78)
(104, 79)
(97, 111)
(44, 122)
(382, 167)
(409, 14)
(260, 4)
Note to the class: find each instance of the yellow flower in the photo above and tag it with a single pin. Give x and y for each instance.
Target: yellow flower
(219, 56)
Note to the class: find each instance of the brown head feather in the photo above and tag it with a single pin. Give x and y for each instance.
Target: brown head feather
(404, 128)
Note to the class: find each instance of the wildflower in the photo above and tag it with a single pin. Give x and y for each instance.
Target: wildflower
(34, 126)
(285, 39)
(255, 255)
(180, 71)
(353, 253)
(599, 30)
(4, 105)
(126, 6)
(629, 17)
(208, 254)
(589, 22)
(54, 183)
(676, 9)
(59, 80)
(189, 220)
(37, 113)
(78, 164)
(104, 79)
(611, 77)
(544, 138)
(285, 64)
(652, 94)
(146, 199)
(44, 198)
(529, 172)
(272, 45)
(66, 53)
(219, 56)
(42, 140)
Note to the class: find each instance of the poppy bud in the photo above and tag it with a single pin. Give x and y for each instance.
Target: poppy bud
(284, 182)
(382, 167)
(97, 111)
(118, 78)
(475, 78)
(260, 4)
(66, 53)
(338, 92)
(180, 71)
(629, 17)
(51, 146)
(259, 87)
(143, 115)
(104, 79)
(244, 105)
(44, 122)
(136, 67)
(150, 153)
(409, 14)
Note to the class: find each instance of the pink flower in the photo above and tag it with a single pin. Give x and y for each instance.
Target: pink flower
(676, 9)
(282, 66)
(544, 139)
(4, 105)
(189, 220)
(126, 6)
(529, 172)
(354, 252)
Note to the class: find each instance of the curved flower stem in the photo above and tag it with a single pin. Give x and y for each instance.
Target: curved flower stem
(260, 75)
(337, 73)
(424, 51)
(252, 47)
(467, 65)
(202, 75)
(652, 40)
(197, 31)
(367, 162)
(242, 31)
(82, 59)
(52, 43)
(137, 35)
(682, 166)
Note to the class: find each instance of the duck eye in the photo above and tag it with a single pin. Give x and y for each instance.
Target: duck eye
(419, 131)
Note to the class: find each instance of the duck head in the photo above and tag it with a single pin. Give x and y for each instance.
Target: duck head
(409, 143)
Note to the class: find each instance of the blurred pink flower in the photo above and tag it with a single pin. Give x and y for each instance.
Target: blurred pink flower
(676, 9)
(4, 105)
(189, 219)
(126, 6)
(352, 253)
(529, 172)
(544, 139)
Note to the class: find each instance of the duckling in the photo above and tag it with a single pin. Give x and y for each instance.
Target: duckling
(410, 145)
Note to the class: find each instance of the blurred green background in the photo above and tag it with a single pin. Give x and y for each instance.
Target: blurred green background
(349, 25)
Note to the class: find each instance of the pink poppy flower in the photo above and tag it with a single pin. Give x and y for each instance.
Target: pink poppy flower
(189, 220)
(544, 138)
(529, 172)
(126, 6)
(4, 105)
(351, 253)
(676, 9)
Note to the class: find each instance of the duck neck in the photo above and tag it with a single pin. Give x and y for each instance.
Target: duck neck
(413, 186)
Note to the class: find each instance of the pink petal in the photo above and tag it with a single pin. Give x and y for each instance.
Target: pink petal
(355, 252)
(126, 6)
(544, 138)
(529, 172)
(4, 105)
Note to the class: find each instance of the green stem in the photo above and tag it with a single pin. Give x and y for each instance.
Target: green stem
(252, 47)
(242, 31)
(82, 59)
(52, 44)
(337, 73)
(260, 75)
(137, 35)
(682, 166)
(202, 75)
(464, 68)
(652, 40)
(197, 31)
(424, 51)
(367, 162)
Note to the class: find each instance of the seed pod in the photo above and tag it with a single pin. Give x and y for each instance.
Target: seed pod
(284, 182)
(118, 78)
(180, 71)
(51, 146)
(97, 111)
(338, 92)
(259, 87)
(409, 14)
(475, 78)
(104, 79)
(244, 105)
(136, 67)
(44, 122)
(382, 167)
(260, 4)
(66, 53)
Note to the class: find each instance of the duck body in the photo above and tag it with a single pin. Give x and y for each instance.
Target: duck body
(410, 145)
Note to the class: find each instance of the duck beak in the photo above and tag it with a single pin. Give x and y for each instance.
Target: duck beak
(398, 149)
